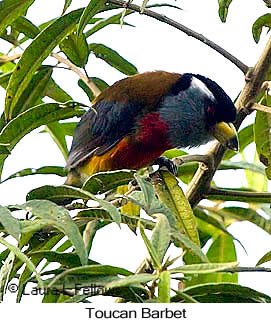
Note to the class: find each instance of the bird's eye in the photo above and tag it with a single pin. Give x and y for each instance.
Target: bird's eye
(211, 111)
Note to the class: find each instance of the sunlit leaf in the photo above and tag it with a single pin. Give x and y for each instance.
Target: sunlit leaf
(265, 258)
(164, 287)
(263, 21)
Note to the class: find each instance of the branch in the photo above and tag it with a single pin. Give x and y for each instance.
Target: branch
(241, 196)
(255, 77)
(189, 32)
(96, 91)
(260, 107)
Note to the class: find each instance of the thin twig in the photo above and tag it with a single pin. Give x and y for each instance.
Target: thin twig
(243, 67)
(96, 91)
(260, 107)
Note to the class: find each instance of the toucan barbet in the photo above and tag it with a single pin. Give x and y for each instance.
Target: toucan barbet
(138, 118)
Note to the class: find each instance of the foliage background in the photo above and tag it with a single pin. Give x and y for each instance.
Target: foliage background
(154, 50)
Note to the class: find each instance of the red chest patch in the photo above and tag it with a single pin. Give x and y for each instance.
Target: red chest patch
(153, 132)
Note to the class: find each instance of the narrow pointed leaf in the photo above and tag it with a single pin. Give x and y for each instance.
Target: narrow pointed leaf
(92, 8)
(223, 9)
(164, 287)
(161, 236)
(59, 194)
(66, 5)
(56, 132)
(45, 170)
(203, 268)
(5, 274)
(25, 26)
(75, 48)
(33, 118)
(171, 194)
(152, 252)
(112, 58)
(130, 280)
(24, 259)
(105, 181)
(34, 55)
(265, 258)
(102, 85)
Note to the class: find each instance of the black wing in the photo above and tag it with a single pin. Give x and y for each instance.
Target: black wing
(101, 128)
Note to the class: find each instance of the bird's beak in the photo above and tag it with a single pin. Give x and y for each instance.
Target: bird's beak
(226, 134)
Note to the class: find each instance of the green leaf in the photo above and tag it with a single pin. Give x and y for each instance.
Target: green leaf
(45, 170)
(203, 268)
(152, 252)
(59, 217)
(116, 19)
(75, 48)
(92, 8)
(101, 84)
(161, 236)
(164, 287)
(34, 91)
(34, 55)
(255, 180)
(247, 214)
(66, 6)
(10, 223)
(11, 10)
(131, 280)
(58, 135)
(262, 128)
(224, 292)
(265, 258)
(252, 168)
(263, 21)
(181, 239)
(59, 194)
(33, 118)
(91, 270)
(25, 26)
(223, 9)
(112, 58)
(171, 194)
(105, 181)
(56, 93)
(5, 274)
(222, 250)
(24, 259)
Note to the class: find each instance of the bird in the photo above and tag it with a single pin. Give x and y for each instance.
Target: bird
(135, 120)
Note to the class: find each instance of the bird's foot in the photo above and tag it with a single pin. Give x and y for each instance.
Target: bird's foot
(168, 163)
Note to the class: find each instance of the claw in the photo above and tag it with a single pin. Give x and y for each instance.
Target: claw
(168, 163)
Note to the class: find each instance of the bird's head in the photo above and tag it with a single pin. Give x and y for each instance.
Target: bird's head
(200, 111)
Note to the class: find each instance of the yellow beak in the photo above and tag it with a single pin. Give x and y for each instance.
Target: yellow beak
(226, 134)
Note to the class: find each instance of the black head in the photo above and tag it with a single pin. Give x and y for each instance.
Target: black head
(221, 110)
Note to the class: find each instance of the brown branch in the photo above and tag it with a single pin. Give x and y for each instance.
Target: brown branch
(189, 32)
(260, 107)
(95, 90)
(255, 77)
